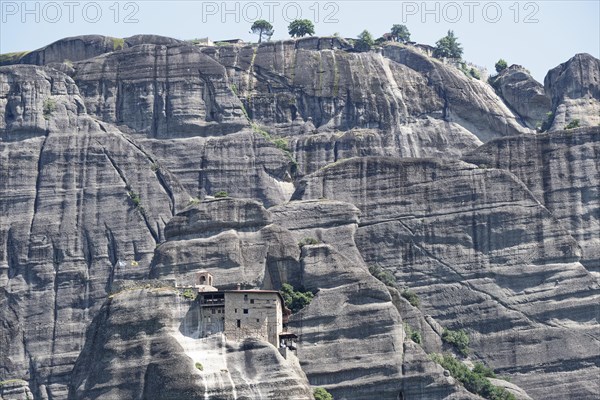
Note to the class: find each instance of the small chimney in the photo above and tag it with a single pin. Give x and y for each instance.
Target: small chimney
(239, 287)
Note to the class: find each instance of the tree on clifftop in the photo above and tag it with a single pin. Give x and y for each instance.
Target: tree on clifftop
(301, 27)
(400, 33)
(448, 47)
(501, 65)
(365, 41)
(262, 28)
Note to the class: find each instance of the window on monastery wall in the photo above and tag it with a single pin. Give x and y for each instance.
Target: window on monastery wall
(213, 311)
(245, 311)
(251, 301)
(245, 297)
(235, 311)
(239, 323)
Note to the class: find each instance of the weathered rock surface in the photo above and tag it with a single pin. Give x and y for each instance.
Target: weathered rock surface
(105, 162)
(70, 225)
(160, 90)
(574, 87)
(409, 104)
(524, 94)
(562, 170)
(82, 47)
(479, 243)
(134, 350)
(349, 330)
(15, 389)
(466, 101)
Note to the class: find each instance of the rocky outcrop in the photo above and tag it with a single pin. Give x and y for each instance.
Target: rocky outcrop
(135, 350)
(483, 254)
(81, 206)
(162, 91)
(107, 163)
(574, 87)
(349, 330)
(217, 216)
(562, 171)
(15, 389)
(428, 137)
(292, 88)
(468, 102)
(77, 48)
(523, 94)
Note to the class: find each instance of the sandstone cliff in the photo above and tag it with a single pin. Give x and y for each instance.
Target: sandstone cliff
(108, 160)
(574, 87)
(524, 95)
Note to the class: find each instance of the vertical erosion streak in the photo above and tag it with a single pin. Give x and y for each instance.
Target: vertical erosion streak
(38, 183)
(224, 354)
(112, 256)
(159, 173)
(127, 185)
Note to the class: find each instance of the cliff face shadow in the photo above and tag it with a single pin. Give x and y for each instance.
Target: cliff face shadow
(194, 326)
(190, 324)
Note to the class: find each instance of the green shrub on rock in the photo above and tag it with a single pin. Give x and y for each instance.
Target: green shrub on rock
(459, 339)
(573, 124)
(383, 275)
(411, 296)
(322, 394)
(294, 299)
(474, 381)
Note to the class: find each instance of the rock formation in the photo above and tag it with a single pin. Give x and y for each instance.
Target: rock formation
(523, 94)
(479, 243)
(135, 349)
(111, 149)
(574, 87)
(561, 169)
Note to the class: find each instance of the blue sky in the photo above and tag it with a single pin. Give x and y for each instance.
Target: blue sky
(536, 34)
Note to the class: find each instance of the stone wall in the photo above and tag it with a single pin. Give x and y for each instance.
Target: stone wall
(263, 319)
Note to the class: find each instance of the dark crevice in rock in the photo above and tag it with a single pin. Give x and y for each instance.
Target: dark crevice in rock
(38, 182)
(12, 256)
(156, 110)
(112, 256)
(128, 186)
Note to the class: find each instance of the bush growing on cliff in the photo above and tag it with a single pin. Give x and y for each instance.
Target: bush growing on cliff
(476, 380)
(49, 107)
(459, 339)
(281, 144)
(383, 275)
(307, 241)
(365, 41)
(118, 44)
(548, 122)
(189, 294)
(481, 369)
(573, 124)
(474, 73)
(294, 299)
(501, 65)
(400, 33)
(413, 334)
(199, 366)
(411, 296)
(448, 47)
(221, 194)
(322, 394)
